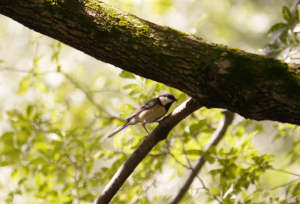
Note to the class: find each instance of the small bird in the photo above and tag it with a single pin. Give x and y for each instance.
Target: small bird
(149, 112)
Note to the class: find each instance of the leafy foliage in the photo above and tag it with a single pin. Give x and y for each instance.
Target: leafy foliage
(287, 37)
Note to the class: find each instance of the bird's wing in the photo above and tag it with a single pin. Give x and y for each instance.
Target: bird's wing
(146, 106)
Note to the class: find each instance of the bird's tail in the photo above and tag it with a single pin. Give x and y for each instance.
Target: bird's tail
(118, 129)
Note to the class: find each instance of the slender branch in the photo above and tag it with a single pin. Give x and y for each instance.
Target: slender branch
(216, 137)
(284, 171)
(272, 189)
(159, 154)
(89, 97)
(12, 69)
(108, 90)
(159, 133)
(199, 178)
(294, 7)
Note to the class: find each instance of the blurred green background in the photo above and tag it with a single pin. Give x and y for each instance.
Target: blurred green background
(58, 105)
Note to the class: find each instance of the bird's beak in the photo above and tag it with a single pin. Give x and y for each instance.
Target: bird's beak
(177, 100)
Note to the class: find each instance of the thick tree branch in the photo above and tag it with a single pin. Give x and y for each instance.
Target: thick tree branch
(159, 133)
(216, 137)
(254, 86)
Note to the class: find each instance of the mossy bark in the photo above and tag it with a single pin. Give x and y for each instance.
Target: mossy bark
(254, 86)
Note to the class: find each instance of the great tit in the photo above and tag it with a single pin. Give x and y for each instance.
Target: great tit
(149, 112)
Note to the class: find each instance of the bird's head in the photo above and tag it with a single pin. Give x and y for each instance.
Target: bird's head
(167, 98)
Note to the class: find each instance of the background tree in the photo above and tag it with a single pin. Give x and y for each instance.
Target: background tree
(53, 145)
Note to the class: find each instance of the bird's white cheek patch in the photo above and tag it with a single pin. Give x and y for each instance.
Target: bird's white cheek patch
(164, 100)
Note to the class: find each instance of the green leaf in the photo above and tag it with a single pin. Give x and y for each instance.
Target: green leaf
(66, 199)
(25, 84)
(4, 163)
(38, 161)
(210, 160)
(287, 15)
(135, 91)
(7, 138)
(125, 74)
(259, 128)
(77, 142)
(161, 6)
(291, 37)
(55, 56)
(43, 188)
(240, 132)
(279, 135)
(10, 197)
(39, 179)
(197, 126)
(53, 193)
(29, 110)
(41, 86)
(202, 18)
(213, 150)
(99, 155)
(265, 194)
(277, 28)
(15, 175)
(88, 196)
(296, 190)
(248, 138)
(215, 172)
(214, 191)
(131, 86)
(284, 40)
(22, 180)
(296, 16)
(195, 152)
(35, 60)
(41, 146)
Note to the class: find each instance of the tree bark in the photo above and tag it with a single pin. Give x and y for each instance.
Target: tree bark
(254, 86)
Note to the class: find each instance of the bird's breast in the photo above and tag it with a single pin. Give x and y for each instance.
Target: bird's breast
(152, 114)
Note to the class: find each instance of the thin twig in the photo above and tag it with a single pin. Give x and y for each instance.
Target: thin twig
(12, 69)
(158, 134)
(271, 189)
(284, 171)
(199, 178)
(90, 98)
(216, 137)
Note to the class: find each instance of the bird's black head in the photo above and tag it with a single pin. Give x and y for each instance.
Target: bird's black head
(168, 96)
(167, 99)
